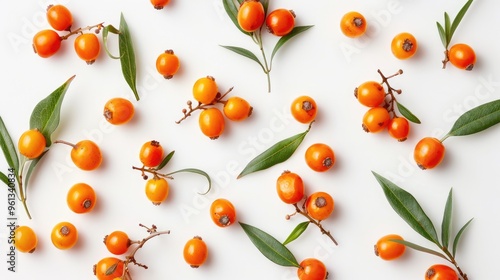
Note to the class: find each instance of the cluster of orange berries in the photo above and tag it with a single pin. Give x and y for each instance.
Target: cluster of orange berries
(251, 16)
(47, 42)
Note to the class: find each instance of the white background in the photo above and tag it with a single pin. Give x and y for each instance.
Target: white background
(321, 63)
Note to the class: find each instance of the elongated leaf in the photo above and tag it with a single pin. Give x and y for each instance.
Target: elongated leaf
(408, 208)
(127, 56)
(457, 237)
(458, 18)
(8, 148)
(447, 24)
(165, 160)
(277, 153)
(265, 4)
(269, 246)
(105, 33)
(296, 31)
(442, 35)
(245, 53)
(419, 248)
(296, 232)
(477, 119)
(32, 164)
(196, 171)
(232, 11)
(407, 113)
(447, 218)
(47, 113)
(4, 178)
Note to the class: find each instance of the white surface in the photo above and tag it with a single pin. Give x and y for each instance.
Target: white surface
(315, 63)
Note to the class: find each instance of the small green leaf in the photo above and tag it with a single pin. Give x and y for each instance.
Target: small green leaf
(31, 168)
(269, 246)
(127, 56)
(4, 178)
(408, 208)
(46, 114)
(8, 148)
(265, 4)
(447, 28)
(165, 160)
(105, 32)
(476, 119)
(457, 237)
(442, 35)
(245, 53)
(296, 232)
(458, 18)
(277, 153)
(232, 11)
(419, 248)
(447, 218)
(196, 171)
(111, 269)
(407, 113)
(296, 31)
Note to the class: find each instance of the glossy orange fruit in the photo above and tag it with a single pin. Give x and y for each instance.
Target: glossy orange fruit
(429, 152)
(222, 212)
(64, 235)
(211, 122)
(151, 153)
(81, 198)
(59, 17)
(46, 43)
(205, 90)
(312, 269)
(320, 157)
(304, 109)
(237, 109)
(320, 205)
(280, 22)
(404, 45)
(31, 144)
(251, 15)
(167, 64)
(290, 187)
(157, 189)
(462, 56)
(387, 249)
(370, 94)
(118, 111)
(353, 24)
(195, 252)
(399, 128)
(159, 4)
(117, 242)
(440, 272)
(25, 239)
(376, 119)
(86, 155)
(87, 47)
(108, 268)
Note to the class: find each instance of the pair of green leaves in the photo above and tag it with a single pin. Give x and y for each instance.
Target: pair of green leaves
(446, 32)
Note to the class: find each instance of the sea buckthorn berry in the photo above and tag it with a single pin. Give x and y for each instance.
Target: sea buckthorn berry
(312, 269)
(222, 212)
(87, 47)
(151, 153)
(25, 239)
(159, 4)
(462, 56)
(205, 90)
(108, 268)
(64, 235)
(404, 45)
(118, 111)
(387, 249)
(280, 22)
(320, 157)
(211, 122)
(441, 272)
(320, 205)
(31, 144)
(117, 242)
(370, 94)
(157, 190)
(429, 152)
(46, 43)
(85, 154)
(353, 24)
(81, 198)
(304, 109)
(167, 64)
(251, 15)
(290, 187)
(195, 252)
(59, 17)
(237, 109)
(376, 119)
(399, 128)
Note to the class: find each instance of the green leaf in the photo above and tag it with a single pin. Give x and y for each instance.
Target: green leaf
(407, 113)
(232, 11)
(457, 237)
(447, 28)
(4, 178)
(269, 246)
(105, 32)
(296, 232)
(296, 31)
(245, 53)
(419, 248)
(408, 208)
(477, 119)
(32, 164)
(196, 171)
(277, 153)
(165, 160)
(111, 269)
(265, 4)
(442, 35)
(447, 218)
(127, 56)
(47, 113)
(458, 18)
(8, 148)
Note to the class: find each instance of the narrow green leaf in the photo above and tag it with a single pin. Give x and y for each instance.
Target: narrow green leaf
(419, 248)
(447, 24)
(4, 178)
(407, 113)
(296, 31)
(457, 237)
(459, 17)
(111, 269)
(245, 53)
(32, 164)
(447, 218)
(408, 208)
(196, 171)
(277, 153)
(442, 35)
(47, 113)
(296, 232)
(269, 246)
(165, 160)
(265, 4)
(127, 56)
(105, 33)
(232, 11)
(476, 119)
(8, 148)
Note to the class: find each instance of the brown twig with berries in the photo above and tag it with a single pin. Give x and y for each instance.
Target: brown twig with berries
(317, 223)
(389, 104)
(218, 99)
(153, 171)
(80, 30)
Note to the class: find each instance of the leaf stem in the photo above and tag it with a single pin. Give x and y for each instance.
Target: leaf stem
(454, 262)
(304, 213)
(22, 196)
(267, 69)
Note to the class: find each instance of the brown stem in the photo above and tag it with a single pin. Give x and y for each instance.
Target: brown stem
(453, 261)
(187, 112)
(152, 171)
(446, 58)
(65, 142)
(80, 30)
(389, 104)
(313, 221)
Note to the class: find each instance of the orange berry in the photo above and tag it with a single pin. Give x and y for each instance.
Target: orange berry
(312, 269)
(290, 187)
(429, 152)
(404, 45)
(25, 239)
(59, 17)
(399, 128)
(205, 90)
(320, 205)
(159, 4)
(280, 22)
(87, 47)
(117, 242)
(222, 212)
(462, 56)
(108, 268)
(167, 64)
(251, 15)
(441, 272)
(64, 235)
(85, 154)
(304, 109)
(151, 153)
(237, 109)
(353, 24)
(46, 43)
(320, 157)
(31, 144)
(387, 249)
(118, 111)
(195, 252)
(376, 119)
(370, 94)
(81, 198)
(157, 190)
(211, 122)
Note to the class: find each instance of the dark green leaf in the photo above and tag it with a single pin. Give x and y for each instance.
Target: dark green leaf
(265, 4)
(419, 248)
(269, 246)
(8, 148)
(31, 168)
(457, 238)
(196, 171)
(296, 232)
(442, 35)
(4, 178)
(165, 160)
(459, 18)
(296, 31)
(46, 114)
(245, 53)
(407, 113)
(447, 23)
(408, 208)
(477, 119)
(105, 32)
(447, 218)
(127, 56)
(232, 11)
(277, 153)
